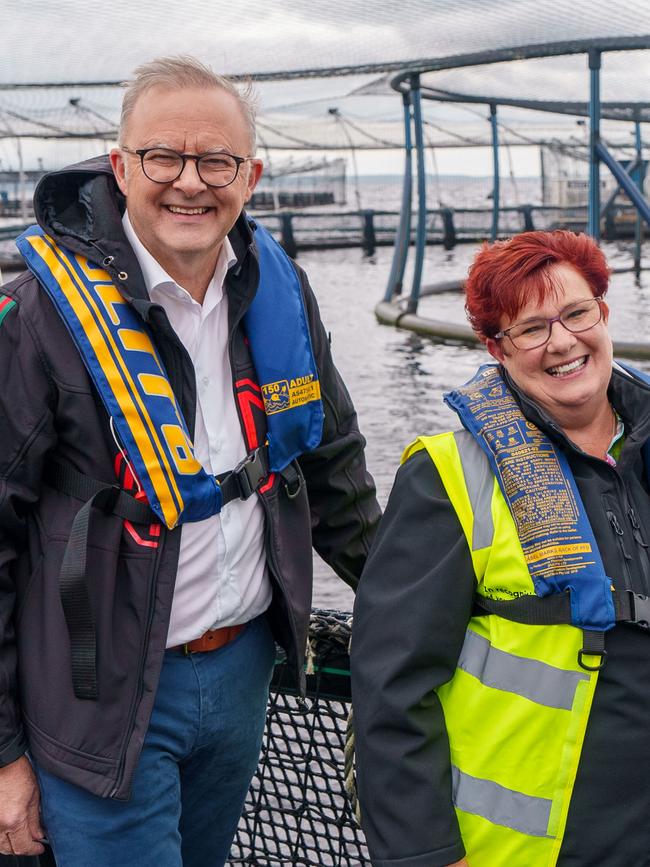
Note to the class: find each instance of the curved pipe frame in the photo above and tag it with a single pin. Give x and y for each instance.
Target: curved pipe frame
(408, 83)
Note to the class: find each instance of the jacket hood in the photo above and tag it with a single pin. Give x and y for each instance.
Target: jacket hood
(81, 202)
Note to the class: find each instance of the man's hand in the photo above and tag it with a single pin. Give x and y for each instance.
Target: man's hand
(20, 825)
(461, 863)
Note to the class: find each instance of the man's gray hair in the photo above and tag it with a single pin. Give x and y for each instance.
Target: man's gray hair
(184, 71)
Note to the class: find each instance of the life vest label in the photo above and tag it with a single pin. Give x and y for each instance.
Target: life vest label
(289, 393)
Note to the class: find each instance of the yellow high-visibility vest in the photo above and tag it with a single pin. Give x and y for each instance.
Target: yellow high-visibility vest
(516, 709)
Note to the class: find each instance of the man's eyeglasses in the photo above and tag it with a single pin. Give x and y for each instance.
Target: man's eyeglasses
(163, 166)
(533, 333)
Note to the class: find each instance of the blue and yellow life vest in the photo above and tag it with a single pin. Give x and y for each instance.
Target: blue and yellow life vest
(124, 364)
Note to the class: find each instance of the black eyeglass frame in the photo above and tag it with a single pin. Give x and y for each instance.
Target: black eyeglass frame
(142, 152)
(549, 324)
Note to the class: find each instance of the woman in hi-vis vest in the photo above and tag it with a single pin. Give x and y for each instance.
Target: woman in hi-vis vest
(501, 652)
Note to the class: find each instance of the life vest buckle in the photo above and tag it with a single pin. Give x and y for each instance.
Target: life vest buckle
(251, 472)
(640, 610)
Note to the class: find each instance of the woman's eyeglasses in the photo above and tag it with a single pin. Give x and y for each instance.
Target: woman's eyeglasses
(533, 333)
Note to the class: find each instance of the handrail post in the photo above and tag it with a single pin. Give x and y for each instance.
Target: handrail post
(527, 213)
(369, 241)
(448, 228)
(593, 224)
(287, 237)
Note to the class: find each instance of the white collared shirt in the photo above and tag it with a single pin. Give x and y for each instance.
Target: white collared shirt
(222, 577)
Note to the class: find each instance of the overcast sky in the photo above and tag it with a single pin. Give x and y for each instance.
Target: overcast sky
(74, 41)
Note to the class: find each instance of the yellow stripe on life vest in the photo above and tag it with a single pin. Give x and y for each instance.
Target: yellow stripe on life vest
(118, 376)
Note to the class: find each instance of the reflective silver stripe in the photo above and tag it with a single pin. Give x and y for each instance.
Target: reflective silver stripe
(537, 681)
(499, 805)
(479, 481)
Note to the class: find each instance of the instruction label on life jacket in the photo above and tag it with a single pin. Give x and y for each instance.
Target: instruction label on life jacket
(289, 393)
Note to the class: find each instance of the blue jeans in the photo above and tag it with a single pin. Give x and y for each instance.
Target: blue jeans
(199, 755)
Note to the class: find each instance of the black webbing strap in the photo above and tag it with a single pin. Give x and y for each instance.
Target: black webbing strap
(593, 644)
(629, 607)
(64, 478)
(534, 610)
(73, 578)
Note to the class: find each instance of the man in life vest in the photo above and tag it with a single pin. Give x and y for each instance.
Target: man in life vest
(174, 437)
(501, 624)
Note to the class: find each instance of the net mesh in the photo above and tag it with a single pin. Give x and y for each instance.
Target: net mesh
(75, 41)
(298, 810)
(79, 54)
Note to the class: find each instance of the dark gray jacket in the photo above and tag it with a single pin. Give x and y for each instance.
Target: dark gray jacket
(49, 409)
(411, 612)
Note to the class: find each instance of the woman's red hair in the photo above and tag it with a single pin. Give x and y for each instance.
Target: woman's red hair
(506, 275)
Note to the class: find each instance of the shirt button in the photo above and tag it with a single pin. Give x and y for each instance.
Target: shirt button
(206, 381)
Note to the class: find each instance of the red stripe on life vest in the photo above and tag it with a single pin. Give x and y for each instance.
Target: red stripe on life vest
(245, 399)
(242, 382)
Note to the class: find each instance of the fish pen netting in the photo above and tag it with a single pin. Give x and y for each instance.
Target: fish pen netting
(298, 810)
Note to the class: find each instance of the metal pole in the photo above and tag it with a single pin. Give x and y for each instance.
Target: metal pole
(638, 227)
(494, 233)
(542, 169)
(403, 235)
(593, 224)
(625, 182)
(421, 231)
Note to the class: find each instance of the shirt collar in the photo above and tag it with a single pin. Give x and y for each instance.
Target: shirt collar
(157, 279)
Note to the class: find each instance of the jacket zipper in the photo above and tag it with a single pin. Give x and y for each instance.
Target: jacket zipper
(616, 527)
(636, 527)
(138, 696)
(642, 546)
(118, 277)
(643, 554)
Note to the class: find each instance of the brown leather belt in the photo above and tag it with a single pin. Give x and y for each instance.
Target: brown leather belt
(213, 639)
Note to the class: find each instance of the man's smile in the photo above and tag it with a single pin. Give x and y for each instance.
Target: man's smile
(186, 211)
